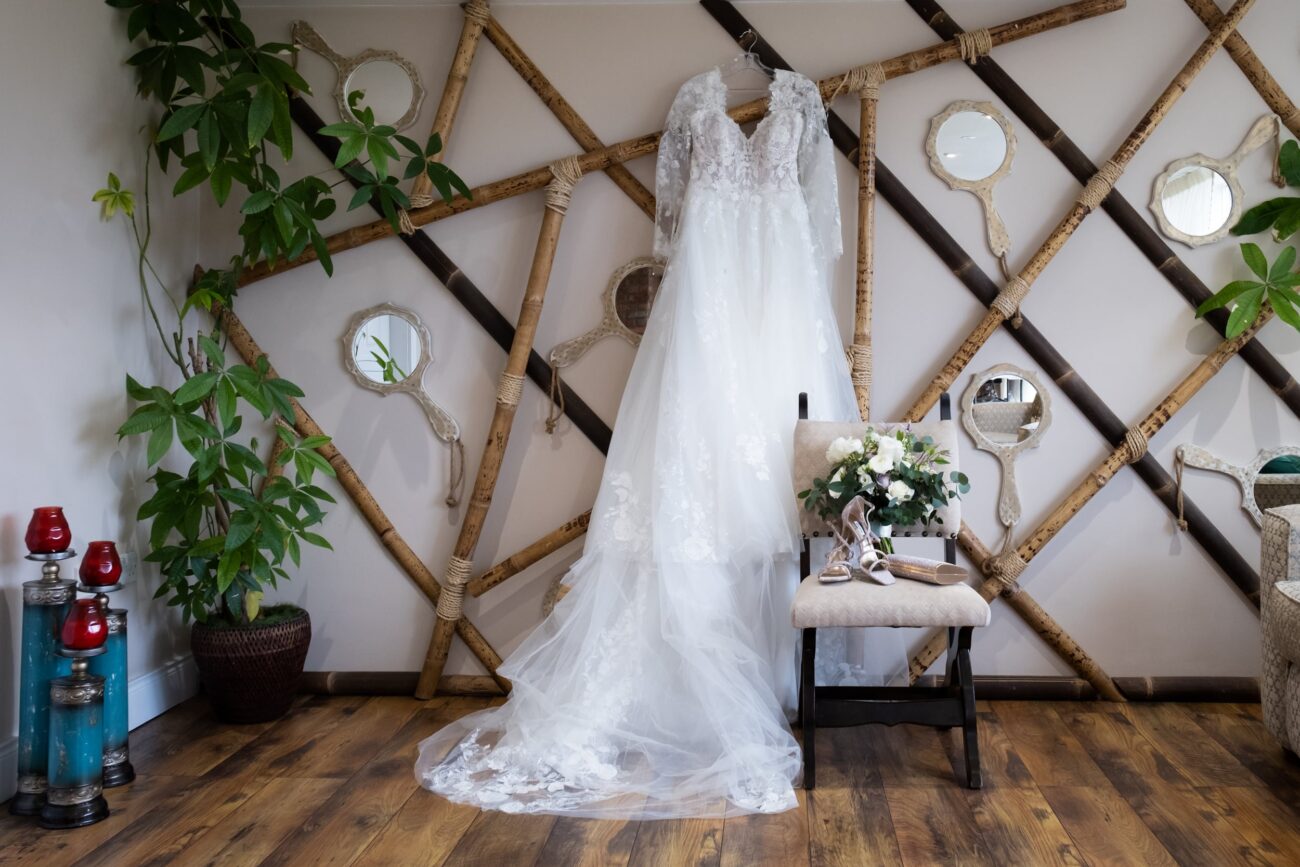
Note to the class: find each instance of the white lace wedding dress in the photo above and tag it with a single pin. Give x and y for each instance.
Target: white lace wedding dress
(659, 686)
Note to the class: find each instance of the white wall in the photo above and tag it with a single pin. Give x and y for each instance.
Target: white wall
(1140, 597)
(73, 326)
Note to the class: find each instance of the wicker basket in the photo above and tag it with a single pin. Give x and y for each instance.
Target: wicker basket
(251, 672)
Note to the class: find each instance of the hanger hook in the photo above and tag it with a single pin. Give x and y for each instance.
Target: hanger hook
(753, 40)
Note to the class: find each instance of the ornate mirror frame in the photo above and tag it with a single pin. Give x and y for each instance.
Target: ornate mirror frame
(566, 353)
(1263, 131)
(1189, 454)
(305, 35)
(1009, 497)
(999, 240)
(444, 426)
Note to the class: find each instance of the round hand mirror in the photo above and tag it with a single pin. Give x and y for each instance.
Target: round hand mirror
(387, 349)
(1197, 200)
(390, 82)
(627, 301)
(1271, 479)
(971, 146)
(1006, 411)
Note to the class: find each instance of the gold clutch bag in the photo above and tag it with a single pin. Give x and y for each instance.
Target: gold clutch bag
(923, 569)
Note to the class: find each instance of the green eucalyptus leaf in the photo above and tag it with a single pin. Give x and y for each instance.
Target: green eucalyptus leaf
(1255, 259)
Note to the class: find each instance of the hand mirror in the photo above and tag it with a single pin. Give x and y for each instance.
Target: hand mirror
(1271, 479)
(390, 82)
(1006, 411)
(971, 146)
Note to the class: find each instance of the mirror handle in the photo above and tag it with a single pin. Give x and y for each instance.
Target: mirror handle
(444, 426)
(1009, 496)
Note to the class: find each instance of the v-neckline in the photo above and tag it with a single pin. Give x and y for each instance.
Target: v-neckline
(721, 92)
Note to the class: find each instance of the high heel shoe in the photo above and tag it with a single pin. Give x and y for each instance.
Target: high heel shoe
(870, 560)
(838, 568)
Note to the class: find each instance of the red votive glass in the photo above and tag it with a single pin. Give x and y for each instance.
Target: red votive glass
(101, 567)
(86, 627)
(47, 532)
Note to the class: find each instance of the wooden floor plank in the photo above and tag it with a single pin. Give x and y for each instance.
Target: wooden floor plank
(204, 746)
(780, 838)
(285, 744)
(848, 817)
(1202, 760)
(935, 825)
(1242, 733)
(684, 842)
(423, 832)
(908, 756)
(589, 843)
(1052, 755)
(346, 747)
(1018, 826)
(500, 839)
(252, 832)
(1104, 827)
(1262, 819)
(1130, 761)
(1000, 762)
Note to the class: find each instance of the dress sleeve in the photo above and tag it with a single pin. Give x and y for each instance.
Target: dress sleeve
(672, 171)
(817, 176)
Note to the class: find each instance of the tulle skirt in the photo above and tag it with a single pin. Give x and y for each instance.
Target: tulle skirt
(661, 684)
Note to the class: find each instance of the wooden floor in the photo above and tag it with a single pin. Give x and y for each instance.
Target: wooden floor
(1073, 783)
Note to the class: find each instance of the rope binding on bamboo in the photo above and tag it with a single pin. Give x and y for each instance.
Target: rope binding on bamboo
(509, 389)
(1100, 185)
(862, 80)
(1006, 567)
(975, 44)
(478, 12)
(565, 175)
(1007, 304)
(452, 600)
(1135, 442)
(860, 364)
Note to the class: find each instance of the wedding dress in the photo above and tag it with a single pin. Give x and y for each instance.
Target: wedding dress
(659, 686)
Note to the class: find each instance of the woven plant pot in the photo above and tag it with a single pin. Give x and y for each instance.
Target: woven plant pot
(251, 672)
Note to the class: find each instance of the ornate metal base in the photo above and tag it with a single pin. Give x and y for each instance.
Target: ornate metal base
(27, 804)
(118, 775)
(63, 816)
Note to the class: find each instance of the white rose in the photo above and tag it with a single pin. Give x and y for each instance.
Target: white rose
(891, 449)
(864, 477)
(880, 463)
(842, 448)
(899, 491)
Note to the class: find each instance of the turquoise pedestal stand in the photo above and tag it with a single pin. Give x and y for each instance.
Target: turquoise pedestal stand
(112, 667)
(74, 796)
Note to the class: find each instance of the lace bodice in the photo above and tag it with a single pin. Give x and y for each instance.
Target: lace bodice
(703, 149)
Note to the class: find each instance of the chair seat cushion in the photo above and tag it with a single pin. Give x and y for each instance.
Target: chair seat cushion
(904, 603)
(1282, 618)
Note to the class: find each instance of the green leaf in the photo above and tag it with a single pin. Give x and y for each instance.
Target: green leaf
(261, 111)
(317, 540)
(159, 442)
(209, 140)
(1282, 306)
(1282, 264)
(343, 129)
(282, 126)
(216, 357)
(145, 418)
(1288, 222)
(1245, 313)
(1263, 215)
(227, 567)
(1288, 161)
(180, 120)
(1226, 295)
(349, 149)
(135, 389)
(1254, 257)
(258, 202)
(242, 527)
(221, 181)
(196, 387)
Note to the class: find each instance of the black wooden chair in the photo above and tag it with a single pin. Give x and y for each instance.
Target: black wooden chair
(957, 608)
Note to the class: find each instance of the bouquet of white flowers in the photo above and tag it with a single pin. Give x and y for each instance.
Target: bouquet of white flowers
(899, 475)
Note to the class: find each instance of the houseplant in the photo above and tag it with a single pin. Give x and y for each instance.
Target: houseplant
(223, 526)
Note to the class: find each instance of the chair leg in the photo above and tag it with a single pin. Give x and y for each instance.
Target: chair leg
(970, 733)
(808, 707)
(950, 678)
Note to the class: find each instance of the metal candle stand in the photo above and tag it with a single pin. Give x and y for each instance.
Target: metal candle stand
(74, 796)
(111, 666)
(46, 603)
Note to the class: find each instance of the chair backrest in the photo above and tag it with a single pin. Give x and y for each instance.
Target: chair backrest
(811, 439)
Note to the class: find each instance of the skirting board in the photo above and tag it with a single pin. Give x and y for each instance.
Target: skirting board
(148, 695)
(1243, 689)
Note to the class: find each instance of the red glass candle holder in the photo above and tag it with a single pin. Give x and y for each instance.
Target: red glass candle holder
(101, 567)
(47, 532)
(86, 627)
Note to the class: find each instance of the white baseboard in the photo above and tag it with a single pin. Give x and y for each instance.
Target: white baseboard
(8, 768)
(148, 696)
(153, 693)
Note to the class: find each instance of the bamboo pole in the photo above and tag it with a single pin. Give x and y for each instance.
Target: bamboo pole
(566, 174)
(867, 84)
(620, 152)
(565, 113)
(1035, 344)
(1007, 305)
(522, 559)
(476, 16)
(1253, 68)
(1133, 224)
(366, 504)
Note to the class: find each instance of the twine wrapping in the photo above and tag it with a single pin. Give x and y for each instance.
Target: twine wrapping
(452, 600)
(455, 472)
(862, 80)
(1007, 304)
(556, 410)
(1136, 443)
(478, 12)
(1100, 185)
(404, 224)
(974, 44)
(1178, 487)
(510, 389)
(565, 175)
(1006, 568)
(860, 365)
(418, 200)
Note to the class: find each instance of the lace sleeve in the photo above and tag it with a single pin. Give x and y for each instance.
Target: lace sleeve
(817, 175)
(672, 171)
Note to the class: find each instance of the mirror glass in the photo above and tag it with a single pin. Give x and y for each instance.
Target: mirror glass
(635, 295)
(1278, 482)
(387, 89)
(1196, 200)
(386, 348)
(971, 145)
(1007, 409)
